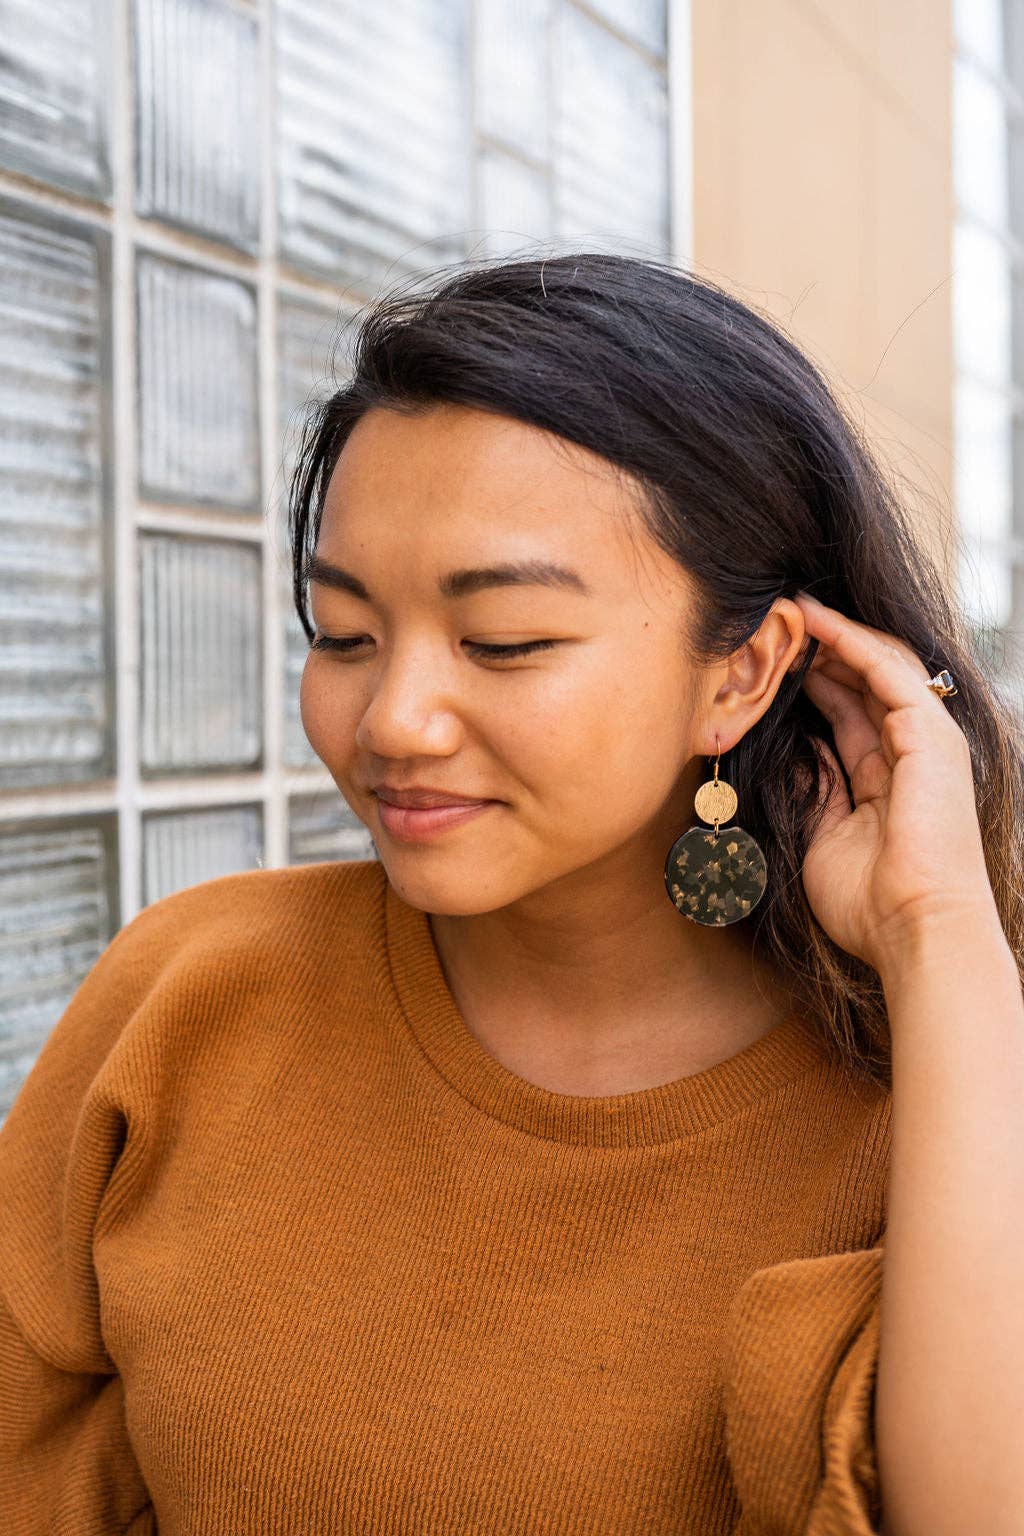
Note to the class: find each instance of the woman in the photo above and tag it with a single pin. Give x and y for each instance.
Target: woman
(537, 1176)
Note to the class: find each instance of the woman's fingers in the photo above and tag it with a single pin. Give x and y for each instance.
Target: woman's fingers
(846, 710)
(837, 805)
(887, 666)
(839, 672)
(826, 661)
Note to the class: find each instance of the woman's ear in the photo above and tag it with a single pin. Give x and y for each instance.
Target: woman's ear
(754, 673)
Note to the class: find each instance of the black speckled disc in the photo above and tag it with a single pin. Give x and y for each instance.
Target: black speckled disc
(715, 880)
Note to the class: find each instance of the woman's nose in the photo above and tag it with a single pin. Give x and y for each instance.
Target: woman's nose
(411, 709)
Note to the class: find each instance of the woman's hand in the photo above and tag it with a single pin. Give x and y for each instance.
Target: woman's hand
(909, 849)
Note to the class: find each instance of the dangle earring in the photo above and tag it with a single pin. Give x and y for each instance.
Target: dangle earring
(715, 877)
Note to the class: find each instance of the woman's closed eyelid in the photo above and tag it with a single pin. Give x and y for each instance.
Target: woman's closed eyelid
(349, 643)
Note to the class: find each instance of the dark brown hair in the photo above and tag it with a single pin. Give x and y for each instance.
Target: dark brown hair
(748, 473)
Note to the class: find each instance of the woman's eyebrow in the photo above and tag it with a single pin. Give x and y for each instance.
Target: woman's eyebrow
(509, 573)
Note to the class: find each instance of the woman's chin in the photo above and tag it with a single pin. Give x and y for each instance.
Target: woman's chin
(451, 887)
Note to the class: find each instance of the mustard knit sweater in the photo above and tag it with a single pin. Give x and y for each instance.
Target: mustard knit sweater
(284, 1250)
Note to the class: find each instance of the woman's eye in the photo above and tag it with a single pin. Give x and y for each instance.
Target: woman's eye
(341, 643)
(500, 651)
(478, 647)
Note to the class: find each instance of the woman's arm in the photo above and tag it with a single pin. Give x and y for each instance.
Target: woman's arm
(73, 1137)
(896, 874)
(949, 1408)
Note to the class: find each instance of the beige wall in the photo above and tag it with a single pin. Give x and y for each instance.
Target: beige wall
(823, 193)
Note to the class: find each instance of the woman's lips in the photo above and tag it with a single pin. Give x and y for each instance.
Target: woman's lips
(409, 825)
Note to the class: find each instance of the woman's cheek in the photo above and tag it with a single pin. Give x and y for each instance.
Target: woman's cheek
(314, 710)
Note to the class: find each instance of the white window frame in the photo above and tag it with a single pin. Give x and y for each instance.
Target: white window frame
(128, 796)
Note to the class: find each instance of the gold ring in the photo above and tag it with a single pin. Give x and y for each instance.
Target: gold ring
(942, 684)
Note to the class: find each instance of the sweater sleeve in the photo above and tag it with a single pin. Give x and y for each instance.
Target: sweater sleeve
(800, 1356)
(67, 1151)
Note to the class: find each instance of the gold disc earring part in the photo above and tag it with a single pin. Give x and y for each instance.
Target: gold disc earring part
(715, 801)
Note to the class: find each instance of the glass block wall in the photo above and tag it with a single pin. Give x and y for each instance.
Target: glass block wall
(988, 324)
(193, 194)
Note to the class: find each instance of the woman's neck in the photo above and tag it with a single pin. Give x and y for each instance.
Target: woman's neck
(582, 1006)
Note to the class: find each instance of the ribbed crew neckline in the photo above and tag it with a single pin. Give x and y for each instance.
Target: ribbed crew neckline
(684, 1107)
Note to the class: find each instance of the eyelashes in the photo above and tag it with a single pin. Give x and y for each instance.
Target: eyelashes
(499, 651)
(347, 644)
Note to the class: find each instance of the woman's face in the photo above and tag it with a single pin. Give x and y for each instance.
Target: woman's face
(583, 748)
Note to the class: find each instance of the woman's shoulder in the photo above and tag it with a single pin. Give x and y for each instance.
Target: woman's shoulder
(257, 913)
(838, 1145)
(205, 949)
(199, 967)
